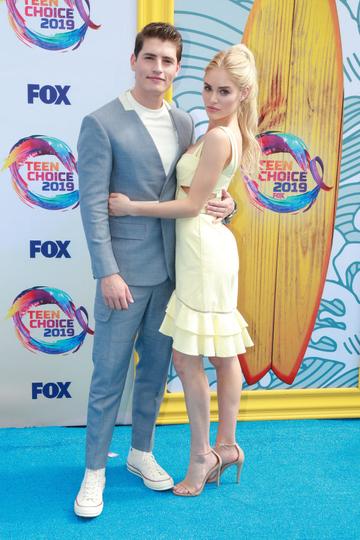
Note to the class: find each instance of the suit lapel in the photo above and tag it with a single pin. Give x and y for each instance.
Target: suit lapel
(138, 124)
(183, 139)
(180, 126)
(181, 130)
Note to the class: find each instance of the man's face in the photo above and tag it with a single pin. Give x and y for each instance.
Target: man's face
(155, 67)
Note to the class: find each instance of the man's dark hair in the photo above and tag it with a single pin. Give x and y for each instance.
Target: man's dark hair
(160, 30)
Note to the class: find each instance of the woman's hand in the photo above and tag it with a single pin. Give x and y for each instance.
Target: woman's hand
(119, 204)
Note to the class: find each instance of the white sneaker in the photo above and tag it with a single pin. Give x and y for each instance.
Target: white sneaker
(144, 464)
(89, 500)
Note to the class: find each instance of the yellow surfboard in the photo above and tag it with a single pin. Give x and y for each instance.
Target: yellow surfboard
(285, 222)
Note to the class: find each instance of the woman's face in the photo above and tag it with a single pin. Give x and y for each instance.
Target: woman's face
(220, 94)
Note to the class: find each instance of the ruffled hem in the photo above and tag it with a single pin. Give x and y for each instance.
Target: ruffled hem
(207, 334)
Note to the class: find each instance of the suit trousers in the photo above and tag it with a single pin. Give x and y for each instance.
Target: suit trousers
(114, 342)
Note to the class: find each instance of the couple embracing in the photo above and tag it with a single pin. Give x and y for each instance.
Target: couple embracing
(142, 175)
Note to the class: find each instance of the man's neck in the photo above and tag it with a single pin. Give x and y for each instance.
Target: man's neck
(148, 100)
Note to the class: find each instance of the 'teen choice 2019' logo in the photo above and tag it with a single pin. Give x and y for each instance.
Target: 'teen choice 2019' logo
(286, 185)
(49, 168)
(33, 323)
(34, 22)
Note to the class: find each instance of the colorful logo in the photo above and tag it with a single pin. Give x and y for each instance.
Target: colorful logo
(35, 23)
(278, 180)
(33, 323)
(55, 175)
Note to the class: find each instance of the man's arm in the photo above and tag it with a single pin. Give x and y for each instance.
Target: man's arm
(94, 168)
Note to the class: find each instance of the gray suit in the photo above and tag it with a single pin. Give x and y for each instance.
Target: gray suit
(117, 153)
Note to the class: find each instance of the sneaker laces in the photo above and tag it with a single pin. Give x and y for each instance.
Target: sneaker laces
(91, 485)
(153, 464)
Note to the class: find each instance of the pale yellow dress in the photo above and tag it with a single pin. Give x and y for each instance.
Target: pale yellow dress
(202, 316)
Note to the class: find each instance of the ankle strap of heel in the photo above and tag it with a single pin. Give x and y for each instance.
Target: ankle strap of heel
(226, 445)
(233, 445)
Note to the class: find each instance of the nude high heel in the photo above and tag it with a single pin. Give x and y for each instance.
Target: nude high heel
(213, 471)
(238, 462)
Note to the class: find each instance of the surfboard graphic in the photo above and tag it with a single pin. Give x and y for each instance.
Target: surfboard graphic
(286, 214)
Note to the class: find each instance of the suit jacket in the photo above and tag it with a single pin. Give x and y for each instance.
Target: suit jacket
(117, 153)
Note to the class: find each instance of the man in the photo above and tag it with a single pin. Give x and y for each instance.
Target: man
(132, 145)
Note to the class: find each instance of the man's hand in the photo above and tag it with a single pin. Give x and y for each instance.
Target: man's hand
(220, 208)
(115, 292)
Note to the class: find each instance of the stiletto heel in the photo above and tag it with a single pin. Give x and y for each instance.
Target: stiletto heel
(218, 476)
(239, 469)
(214, 470)
(238, 462)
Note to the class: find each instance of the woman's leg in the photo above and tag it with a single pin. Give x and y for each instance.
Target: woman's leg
(229, 385)
(197, 398)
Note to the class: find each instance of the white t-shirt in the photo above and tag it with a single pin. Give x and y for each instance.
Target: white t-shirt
(160, 126)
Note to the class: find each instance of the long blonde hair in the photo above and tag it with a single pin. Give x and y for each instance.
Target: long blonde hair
(239, 62)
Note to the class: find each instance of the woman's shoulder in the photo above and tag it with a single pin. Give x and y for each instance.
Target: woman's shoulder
(216, 139)
(218, 133)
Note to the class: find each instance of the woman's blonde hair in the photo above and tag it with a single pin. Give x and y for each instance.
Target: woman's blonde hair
(239, 62)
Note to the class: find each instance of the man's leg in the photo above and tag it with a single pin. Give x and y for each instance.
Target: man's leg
(154, 351)
(151, 373)
(113, 345)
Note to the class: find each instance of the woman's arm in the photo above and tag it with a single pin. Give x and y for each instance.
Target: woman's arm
(215, 153)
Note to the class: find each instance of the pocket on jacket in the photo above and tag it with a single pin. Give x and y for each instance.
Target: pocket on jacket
(131, 231)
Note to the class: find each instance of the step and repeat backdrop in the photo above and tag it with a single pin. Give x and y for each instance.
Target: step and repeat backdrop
(298, 225)
(60, 59)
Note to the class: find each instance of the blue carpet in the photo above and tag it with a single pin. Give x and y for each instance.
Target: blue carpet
(300, 481)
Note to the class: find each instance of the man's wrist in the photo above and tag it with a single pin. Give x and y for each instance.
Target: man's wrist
(110, 276)
(228, 218)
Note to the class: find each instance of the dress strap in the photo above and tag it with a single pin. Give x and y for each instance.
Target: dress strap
(198, 149)
(234, 148)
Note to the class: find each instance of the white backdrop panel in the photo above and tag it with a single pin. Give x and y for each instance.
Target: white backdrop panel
(96, 72)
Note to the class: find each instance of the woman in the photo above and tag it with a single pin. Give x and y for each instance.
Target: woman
(201, 316)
